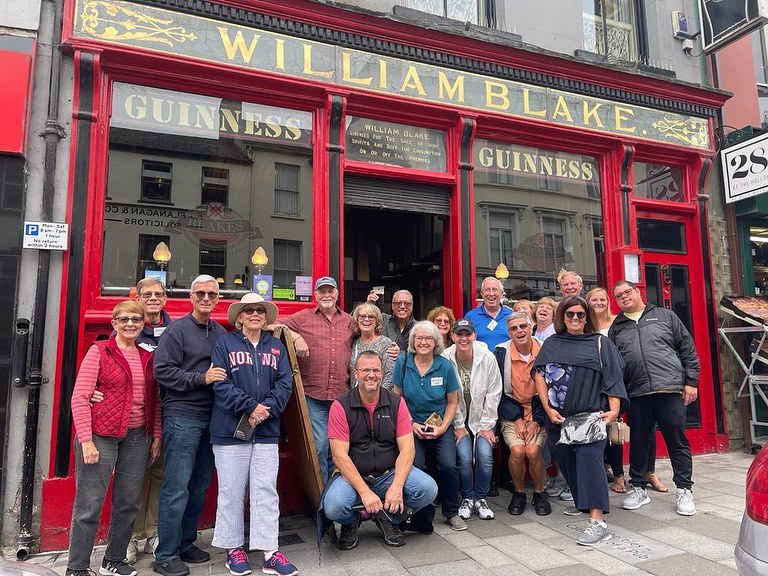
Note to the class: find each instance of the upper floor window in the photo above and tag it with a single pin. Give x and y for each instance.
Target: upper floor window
(156, 179)
(287, 189)
(610, 28)
(215, 185)
(463, 10)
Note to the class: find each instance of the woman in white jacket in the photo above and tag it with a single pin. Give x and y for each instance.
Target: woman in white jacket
(476, 415)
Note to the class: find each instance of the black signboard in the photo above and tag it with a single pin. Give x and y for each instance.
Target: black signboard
(723, 21)
(396, 144)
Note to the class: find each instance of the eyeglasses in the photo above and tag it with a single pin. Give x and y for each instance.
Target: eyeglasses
(522, 327)
(366, 317)
(441, 321)
(201, 294)
(423, 338)
(252, 311)
(148, 295)
(132, 319)
(624, 294)
(401, 304)
(571, 314)
(366, 371)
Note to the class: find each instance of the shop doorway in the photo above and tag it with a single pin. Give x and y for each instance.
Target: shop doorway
(667, 272)
(394, 236)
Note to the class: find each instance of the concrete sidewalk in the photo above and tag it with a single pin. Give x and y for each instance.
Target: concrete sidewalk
(651, 540)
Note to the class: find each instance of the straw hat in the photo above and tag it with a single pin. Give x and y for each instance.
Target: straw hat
(251, 298)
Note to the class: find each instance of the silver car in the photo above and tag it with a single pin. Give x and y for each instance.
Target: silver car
(752, 548)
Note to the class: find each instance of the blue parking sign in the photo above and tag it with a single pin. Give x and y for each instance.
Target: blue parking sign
(31, 230)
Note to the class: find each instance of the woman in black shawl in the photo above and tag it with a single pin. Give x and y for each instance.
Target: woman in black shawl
(578, 370)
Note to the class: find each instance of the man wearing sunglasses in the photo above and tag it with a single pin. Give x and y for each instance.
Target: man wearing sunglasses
(185, 373)
(661, 373)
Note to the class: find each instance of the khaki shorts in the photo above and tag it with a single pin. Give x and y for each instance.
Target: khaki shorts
(511, 438)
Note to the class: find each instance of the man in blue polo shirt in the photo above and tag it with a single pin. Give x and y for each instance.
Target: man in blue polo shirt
(490, 317)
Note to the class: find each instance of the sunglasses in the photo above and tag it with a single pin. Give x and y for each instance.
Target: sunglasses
(252, 311)
(201, 294)
(571, 314)
(148, 295)
(132, 319)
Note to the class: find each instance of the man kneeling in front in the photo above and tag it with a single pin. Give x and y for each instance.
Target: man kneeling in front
(372, 445)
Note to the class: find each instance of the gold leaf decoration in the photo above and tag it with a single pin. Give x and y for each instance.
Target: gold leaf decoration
(111, 21)
(690, 132)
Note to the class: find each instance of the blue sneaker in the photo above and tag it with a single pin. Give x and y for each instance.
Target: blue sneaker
(237, 562)
(279, 565)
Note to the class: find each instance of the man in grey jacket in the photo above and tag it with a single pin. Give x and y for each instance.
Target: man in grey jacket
(661, 374)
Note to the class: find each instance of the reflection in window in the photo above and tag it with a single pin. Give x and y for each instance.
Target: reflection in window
(287, 185)
(156, 179)
(287, 263)
(462, 10)
(538, 210)
(658, 182)
(609, 29)
(220, 157)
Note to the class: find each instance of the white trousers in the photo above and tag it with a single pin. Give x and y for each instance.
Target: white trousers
(237, 466)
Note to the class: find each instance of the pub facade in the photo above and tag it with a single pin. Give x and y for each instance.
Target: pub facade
(269, 144)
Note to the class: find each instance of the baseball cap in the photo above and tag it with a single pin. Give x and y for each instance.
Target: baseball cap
(325, 281)
(465, 325)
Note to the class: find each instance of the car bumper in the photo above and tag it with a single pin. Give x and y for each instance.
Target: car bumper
(751, 553)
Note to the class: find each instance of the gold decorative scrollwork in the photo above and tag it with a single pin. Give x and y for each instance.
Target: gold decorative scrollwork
(111, 21)
(688, 131)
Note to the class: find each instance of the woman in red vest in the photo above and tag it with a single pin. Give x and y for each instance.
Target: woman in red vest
(121, 435)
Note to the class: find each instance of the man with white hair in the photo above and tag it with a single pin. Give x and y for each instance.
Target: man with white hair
(490, 317)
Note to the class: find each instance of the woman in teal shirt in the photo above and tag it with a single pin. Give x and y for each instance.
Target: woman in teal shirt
(429, 385)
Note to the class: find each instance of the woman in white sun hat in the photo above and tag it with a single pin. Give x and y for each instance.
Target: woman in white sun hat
(245, 428)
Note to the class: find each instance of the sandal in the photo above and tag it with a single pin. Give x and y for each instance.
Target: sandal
(619, 485)
(656, 482)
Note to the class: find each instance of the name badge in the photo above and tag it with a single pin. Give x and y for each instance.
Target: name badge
(147, 347)
(159, 331)
(437, 381)
(492, 325)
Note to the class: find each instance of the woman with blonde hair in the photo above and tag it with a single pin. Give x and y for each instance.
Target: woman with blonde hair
(526, 307)
(367, 328)
(598, 300)
(443, 318)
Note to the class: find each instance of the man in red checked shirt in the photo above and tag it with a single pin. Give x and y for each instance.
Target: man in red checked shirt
(372, 443)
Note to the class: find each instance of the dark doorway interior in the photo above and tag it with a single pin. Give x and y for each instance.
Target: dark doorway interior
(397, 250)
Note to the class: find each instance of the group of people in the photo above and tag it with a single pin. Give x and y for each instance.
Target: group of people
(405, 415)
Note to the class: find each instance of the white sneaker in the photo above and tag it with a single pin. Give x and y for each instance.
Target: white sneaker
(151, 544)
(465, 510)
(566, 495)
(685, 505)
(636, 497)
(132, 552)
(482, 509)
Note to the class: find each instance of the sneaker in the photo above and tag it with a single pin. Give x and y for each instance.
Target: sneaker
(348, 535)
(556, 487)
(572, 511)
(237, 562)
(636, 497)
(482, 509)
(541, 504)
(685, 505)
(151, 545)
(457, 523)
(71, 572)
(465, 510)
(391, 532)
(193, 555)
(132, 552)
(109, 567)
(594, 533)
(172, 567)
(279, 564)
(517, 504)
(566, 495)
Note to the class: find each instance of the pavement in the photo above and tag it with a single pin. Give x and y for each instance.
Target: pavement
(652, 540)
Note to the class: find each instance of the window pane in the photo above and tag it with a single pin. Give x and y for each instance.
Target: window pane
(287, 187)
(463, 10)
(220, 156)
(661, 235)
(535, 231)
(658, 182)
(611, 24)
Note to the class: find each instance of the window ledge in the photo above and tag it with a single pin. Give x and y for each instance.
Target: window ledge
(287, 216)
(596, 58)
(448, 25)
(157, 202)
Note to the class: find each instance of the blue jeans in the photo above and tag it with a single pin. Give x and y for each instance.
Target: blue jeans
(443, 451)
(483, 466)
(419, 490)
(186, 476)
(318, 419)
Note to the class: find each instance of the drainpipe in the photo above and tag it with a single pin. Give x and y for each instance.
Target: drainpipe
(52, 133)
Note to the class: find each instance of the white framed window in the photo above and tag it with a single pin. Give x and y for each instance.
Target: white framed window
(287, 263)
(287, 188)
(610, 29)
(214, 187)
(462, 10)
(156, 181)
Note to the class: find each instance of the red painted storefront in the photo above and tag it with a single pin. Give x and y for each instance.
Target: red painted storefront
(102, 61)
